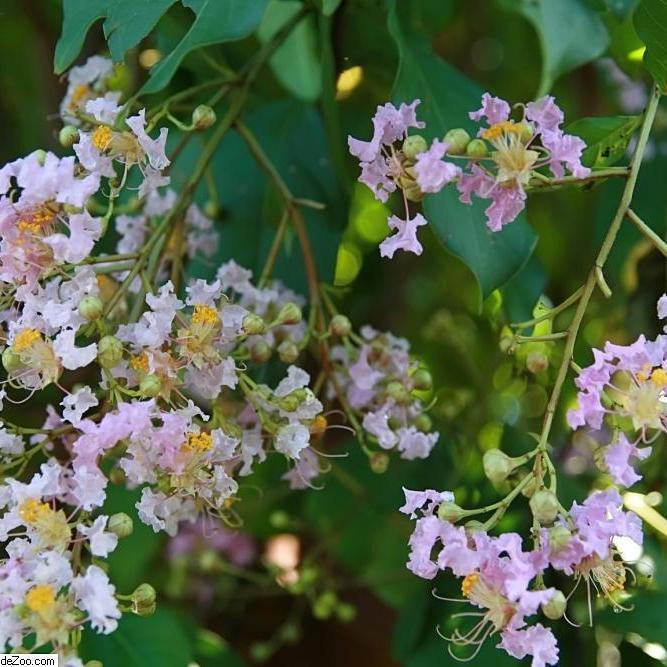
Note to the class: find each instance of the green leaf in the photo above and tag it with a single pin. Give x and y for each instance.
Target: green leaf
(296, 61)
(78, 17)
(606, 138)
(570, 34)
(621, 9)
(447, 97)
(216, 21)
(651, 24)
(152, 641)
(329, 6)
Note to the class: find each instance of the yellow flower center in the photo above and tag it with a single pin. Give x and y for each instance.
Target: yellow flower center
(659, 377)
(468, 584)
(140, 362)
(25, 339)
(205, 315)
(101, 137)
(80, 93)
(498, 129)
(32, 510)
(40, 598)
(198, 442)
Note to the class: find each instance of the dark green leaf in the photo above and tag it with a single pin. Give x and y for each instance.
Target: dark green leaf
(651, 25)
(570, 33)
(215, 21)
(447, 97)
(78, 17)
(621, 9)
(606, 138)
(153, 641)
(329, 6)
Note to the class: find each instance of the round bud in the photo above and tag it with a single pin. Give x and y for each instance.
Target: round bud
(91, 307)
(120, 524)
(398, 392)
(345, 612)
(150, 386)
(423, 423)
(340, 325)
(555, 608)
(289, 403)
(203, 117)
(544, 506)
(450, 512)
(253, 324)
(40, 154)
(422, 380)
(414, 145)
(260, 352)
(324, 605)
(473, 526)
(537, 361)
(290, 313)
(507, 343)
(497, 465)
(379, 462)
(144, 600)
(208, 560)
(457, 141)
(559, 537)
(308, 575)
(279, 519)
(68, 136)
(526, 132)
(109, 351)
(288, 352)
(10, 360)
(211, 209)
(290, 633)
(260, 651)
(477, 149)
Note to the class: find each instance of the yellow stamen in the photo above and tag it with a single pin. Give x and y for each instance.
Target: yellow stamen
(140, 362)
(468, 583)
(25, 339)
(659, 377)
(319, 425)
(205, 315)
(80, 93)
(198, 442)
(40, 598)
(498, 129)
(101, 137)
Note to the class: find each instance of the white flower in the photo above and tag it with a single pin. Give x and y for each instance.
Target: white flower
(291, 439)
(9, 443)
(77, 403)
(95, 595)
(73, 357)
(101, 542)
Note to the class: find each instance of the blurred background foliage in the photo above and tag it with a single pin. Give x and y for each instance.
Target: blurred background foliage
(347, 540)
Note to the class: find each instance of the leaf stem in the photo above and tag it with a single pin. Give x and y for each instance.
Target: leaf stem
(647, 231)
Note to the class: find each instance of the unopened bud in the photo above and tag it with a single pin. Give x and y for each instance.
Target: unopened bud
(211, 209)
(279, 519)
(497, 465)
(457, 141)
(379, 462)
(253, 324)
(477, 149)
(68, 136)
(290, 633)
(290, 313)
(473, 526)
(91, 307)
(423, 423)
(289, 403)
(260, 352)
(109, 351)
(120, 524)
(40, 155)
(11, 360)
(559, 537)
(507, 343)
(144, 600)
(345, 612)
(288, 352)
(555, 608)
(203, 117)
(150, 386)
(414, 145)
(340, 325)
(422, 380)
(261, 651)
(450, 512)
(324, 605)
(537, 361)
(544, 506)
(398, 392)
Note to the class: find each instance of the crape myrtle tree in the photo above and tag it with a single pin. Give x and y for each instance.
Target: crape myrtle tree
(203, 407)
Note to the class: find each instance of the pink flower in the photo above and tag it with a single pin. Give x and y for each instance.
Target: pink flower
(535, 640)
(432, 172)
(493, 109)
(545, 113)
(405, 237)
(617, 459)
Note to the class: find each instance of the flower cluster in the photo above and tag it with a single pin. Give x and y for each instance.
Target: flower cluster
(497, 165)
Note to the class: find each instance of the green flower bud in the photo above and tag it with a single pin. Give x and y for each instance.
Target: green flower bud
(423, 423)
(345, 612)
(290, 633)
(457, 141)
(279, 519)
(324, 605)
(340, 325)
(150, 386)
(260, 352)
(379, 462)
(261, 651)
(398, 392)
(544, 506)
(555, 608)
(40, 154)
(497, 465)
(473, 526)
(208, 560)
(203, 117)
(253, 324)
(289, 403)
(507, 343)
(414, 145)
(422, 380)
(288, 352)
(68, 136)
(526, 132)
(290, 313)
(91, 307)
(450, 512)
(308, 575)
(477, 149)
(109, 351)
(559, 537)
(144, 600)
(537, 360)
(120, 524)
(11, 360)
(211, 209)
